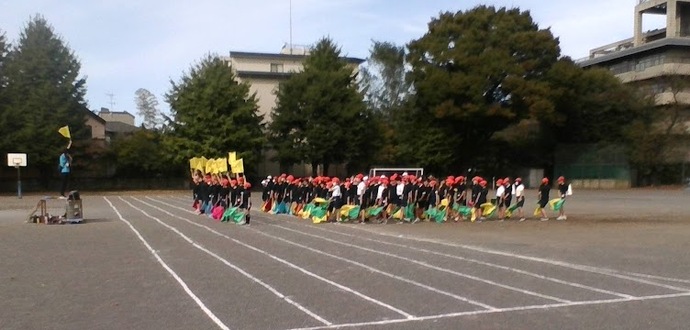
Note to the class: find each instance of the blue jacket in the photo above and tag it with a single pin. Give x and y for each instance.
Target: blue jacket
(64, 163)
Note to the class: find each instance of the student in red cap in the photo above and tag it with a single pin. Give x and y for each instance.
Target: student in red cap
(246, 202)
(460, 194)
(500, 199)
(543, 197)
(563, 191)
(482, 193)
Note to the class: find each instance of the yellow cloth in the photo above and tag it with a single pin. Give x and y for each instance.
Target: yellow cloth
(237, 166)
(537, 211)
(232, 157)
(64, 130)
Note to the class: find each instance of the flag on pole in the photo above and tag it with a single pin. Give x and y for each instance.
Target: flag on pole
(232, 157)
(237, 166)
(64, 131)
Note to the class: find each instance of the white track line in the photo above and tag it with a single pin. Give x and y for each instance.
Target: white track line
(636, 277)
(372, 269)
(670, 279)
(285, 262)
(177, 278)
(375, 270)
(229, 264)
(590, 269)
(519, 271)
(427, 265)
(502, 310)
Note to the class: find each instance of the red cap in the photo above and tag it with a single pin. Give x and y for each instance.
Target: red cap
(247, 185)
(545, 180)
(518, 180)
(483, 183)
(499, 182)
(561, 179)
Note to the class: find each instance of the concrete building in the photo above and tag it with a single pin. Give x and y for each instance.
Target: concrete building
(648, 59)
(656, 61)
(264, 72)
(116, 116)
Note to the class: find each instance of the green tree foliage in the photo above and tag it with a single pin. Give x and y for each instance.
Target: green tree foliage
(475, 73)
(140, 155)
(147, 108)
(213, 114)
(320, 115)
(4, 123)
(44, 92)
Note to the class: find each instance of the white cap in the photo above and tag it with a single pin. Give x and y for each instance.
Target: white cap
(383, 176)
(404, 174)
(365, 178)
(269, 177)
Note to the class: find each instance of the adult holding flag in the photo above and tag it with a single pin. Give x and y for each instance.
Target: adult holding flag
(65, 162)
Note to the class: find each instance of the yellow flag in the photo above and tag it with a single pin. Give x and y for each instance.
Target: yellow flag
(237, 166)
(222, 165)
(65, 132)
(232, 157)
(192, 163)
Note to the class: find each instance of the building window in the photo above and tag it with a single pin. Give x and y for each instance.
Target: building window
(277, 67)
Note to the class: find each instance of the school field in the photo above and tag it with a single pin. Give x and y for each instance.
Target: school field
(144, 261)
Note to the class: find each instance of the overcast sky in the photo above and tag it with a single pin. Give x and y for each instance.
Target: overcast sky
(124, 45)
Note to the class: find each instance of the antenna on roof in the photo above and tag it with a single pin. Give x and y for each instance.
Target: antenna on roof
(290, 27)
(112, 100)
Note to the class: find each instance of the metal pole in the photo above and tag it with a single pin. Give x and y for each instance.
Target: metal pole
(290, 27)
(19, 183)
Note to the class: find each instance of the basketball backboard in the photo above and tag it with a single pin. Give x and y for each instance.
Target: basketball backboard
(16, 160)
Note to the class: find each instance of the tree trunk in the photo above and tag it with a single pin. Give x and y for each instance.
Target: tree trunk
(325, 168)
(314, 169)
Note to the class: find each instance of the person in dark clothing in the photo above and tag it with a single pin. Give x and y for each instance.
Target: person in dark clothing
(563, 192)
(543, 198)
(245, 202)
(65, 170)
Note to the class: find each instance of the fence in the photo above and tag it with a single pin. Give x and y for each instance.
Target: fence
(594, 166)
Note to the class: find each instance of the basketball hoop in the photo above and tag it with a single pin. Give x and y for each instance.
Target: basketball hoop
(17, 162)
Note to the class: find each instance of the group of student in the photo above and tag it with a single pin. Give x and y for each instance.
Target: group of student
(222, 197)
(406, 198)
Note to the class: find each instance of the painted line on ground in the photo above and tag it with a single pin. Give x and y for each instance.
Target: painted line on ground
(285, 262)
(376, 270)
(502, 310)
(511, 269)
(430, 266)
(229, 264)
(590, 269)
(631, 276)
(177, 278)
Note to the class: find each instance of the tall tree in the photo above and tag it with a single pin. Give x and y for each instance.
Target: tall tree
(320, 111)
(213, 114)
(147, 108)
(383, 78)
(475, 73)
(45, 92)
(659, 137)
(386, 93)
(4, 122)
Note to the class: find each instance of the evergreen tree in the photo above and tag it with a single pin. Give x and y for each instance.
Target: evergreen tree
(213, 114)
(4, 123)
(320, 115)
(44, 93)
